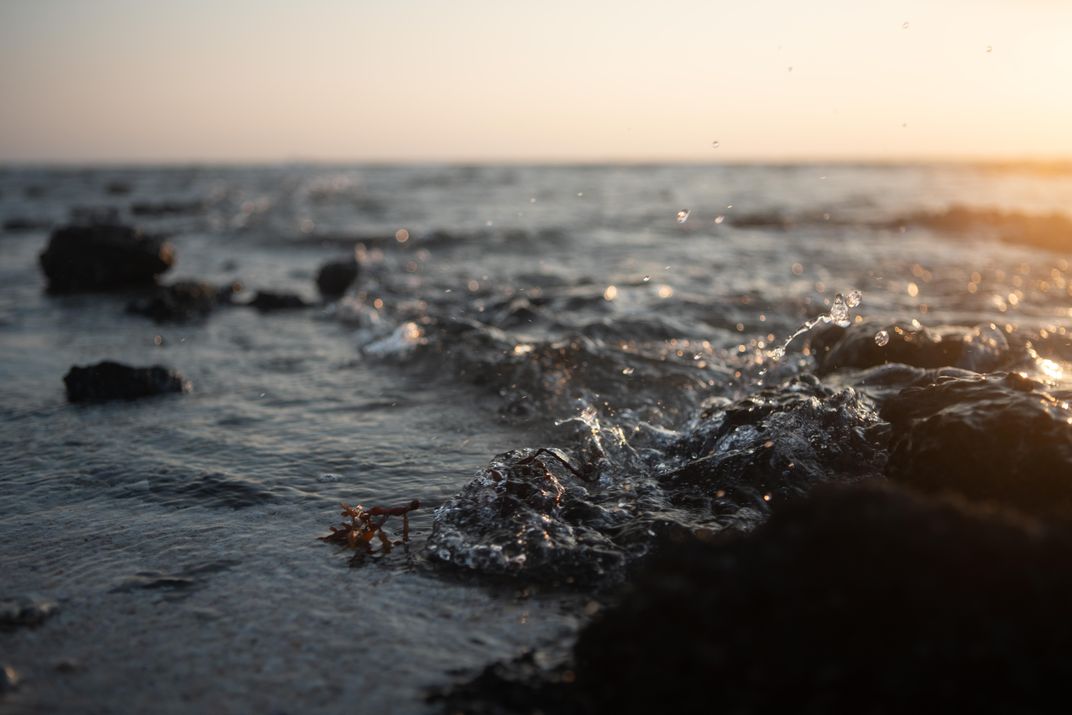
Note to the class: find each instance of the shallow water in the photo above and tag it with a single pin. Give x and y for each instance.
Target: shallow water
(560, 307)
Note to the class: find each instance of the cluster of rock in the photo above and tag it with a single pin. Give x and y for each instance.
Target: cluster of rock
(100, 254)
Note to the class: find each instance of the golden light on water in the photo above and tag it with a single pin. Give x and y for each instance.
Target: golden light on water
(1050, 369)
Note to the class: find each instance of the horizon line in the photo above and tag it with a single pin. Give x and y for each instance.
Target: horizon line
(948, 160)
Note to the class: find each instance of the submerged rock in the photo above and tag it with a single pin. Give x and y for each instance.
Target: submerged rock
(183, 300)
(268, 301)
(114, 381)
(103, 257)
(335, 277)
(856, 600)
(995, 437)
(25, 611)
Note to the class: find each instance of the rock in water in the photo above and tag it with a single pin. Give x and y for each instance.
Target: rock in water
(995, 437)
(335, 277)
(856, 600)
(114, 381)
(183, 300)
(267, 301)
(103, 257)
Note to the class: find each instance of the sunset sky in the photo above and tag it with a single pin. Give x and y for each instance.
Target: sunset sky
(481, 80)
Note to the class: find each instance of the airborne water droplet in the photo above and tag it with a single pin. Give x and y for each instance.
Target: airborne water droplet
(683, 215)
(904, 26)
(882, 338)
(989, 49)
(853, 298)
(839, 312)
(720, 218)
(647, 278)
(714, 145)
(628, 370)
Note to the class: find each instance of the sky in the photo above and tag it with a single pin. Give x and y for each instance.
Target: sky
(131, 81)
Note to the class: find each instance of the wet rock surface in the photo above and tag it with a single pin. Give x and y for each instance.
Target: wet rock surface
(528, 513)
(858, 599)
(581, 515)
(103, 257)
(334, 277)
(998, 437)
(115, 381)
(183, 301)
(983, 347)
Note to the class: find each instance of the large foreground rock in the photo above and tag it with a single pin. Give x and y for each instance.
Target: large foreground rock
(998, 438)
(103, 257)
(114, 381)
(858, 600)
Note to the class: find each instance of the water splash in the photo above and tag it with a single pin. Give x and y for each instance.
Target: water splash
(838, 315)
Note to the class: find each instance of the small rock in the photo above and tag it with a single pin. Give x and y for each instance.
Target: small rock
(267, 301)
(114, 381)
(9, 679)
(183, 300)
(103, 257)
(335, 277)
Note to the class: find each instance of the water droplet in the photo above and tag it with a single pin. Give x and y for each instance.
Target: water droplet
(647, 278)
(839, 312)
(683, 215)
(882, 338)
(628, 370)
(989, 49)
(904, 26)
(853, 298)
(777, 353)
(714, 145)
(720, 218)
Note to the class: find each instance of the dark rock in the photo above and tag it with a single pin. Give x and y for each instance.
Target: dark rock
(335, 277)
(996, 437)
(166, 208)
(983, 348)
(114, 381)
(183, 300)
(103, 257)
(267, 301)
(25, 611)
(776, 444)
(855, 600)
